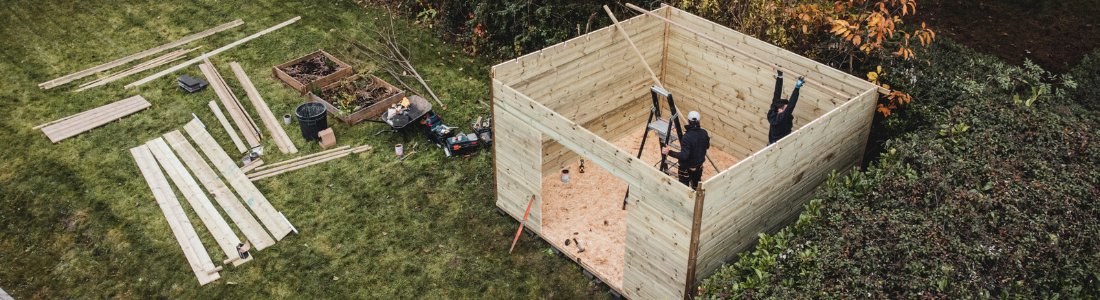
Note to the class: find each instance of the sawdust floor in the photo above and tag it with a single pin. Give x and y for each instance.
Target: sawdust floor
(589, 209)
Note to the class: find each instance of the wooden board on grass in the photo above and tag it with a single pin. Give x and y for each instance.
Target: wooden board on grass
(271, 218)
(223, 235)
(229, 202)
(193, 250)
(88, 120)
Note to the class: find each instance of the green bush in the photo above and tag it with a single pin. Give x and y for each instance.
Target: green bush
(509, 28)
(1087, 75)
(986, 196)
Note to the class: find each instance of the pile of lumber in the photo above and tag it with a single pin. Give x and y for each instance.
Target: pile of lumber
(274, 169)
(173, 155)
(82, 122)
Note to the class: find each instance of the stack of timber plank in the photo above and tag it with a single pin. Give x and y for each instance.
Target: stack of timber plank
(121, 61)
(79, 123)
(274, 169)
(191, 174)
(277, 133)
(232, 104)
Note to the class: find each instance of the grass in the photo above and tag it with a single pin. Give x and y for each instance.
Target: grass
(77, 219)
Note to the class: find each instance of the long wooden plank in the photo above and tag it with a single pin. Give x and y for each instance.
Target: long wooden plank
(229, 202)
(136, 56)
(91, 119)
(156, 62)
(193, 250)
(200, 58)
(228, 169)
(210, 217)
(228, 127)
(300, 158)
(273, 126)
(231, 104)
(274, 172)
(254, 129)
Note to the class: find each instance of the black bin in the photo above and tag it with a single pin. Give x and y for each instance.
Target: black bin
(312, 119)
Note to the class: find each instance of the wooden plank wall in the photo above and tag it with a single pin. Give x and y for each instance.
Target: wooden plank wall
(657, 243)
(658, 229)
(733, 92)
(595, 80)
(517, 153)
(764, 192)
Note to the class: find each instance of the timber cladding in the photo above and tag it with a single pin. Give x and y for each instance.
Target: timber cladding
(567, 101)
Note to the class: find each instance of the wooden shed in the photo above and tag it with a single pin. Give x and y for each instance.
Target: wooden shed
(589, 98)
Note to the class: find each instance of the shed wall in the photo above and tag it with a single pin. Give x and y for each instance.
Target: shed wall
(767, 190)
(657, 230)
(517, 154)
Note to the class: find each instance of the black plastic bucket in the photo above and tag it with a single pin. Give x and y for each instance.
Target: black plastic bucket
(312, 119)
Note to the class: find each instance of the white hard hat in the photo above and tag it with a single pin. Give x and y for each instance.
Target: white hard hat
(693, 116)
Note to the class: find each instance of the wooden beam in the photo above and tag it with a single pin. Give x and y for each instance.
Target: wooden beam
(645, 64)
(306, 163)
(219, 229)
(153, 63)
(282, 141)
(228, 128)
(742, 52)
(121, 61)
(196, 255)
(231, 104)
(178, 67)
(268, 166)
(228, 169)
(88, 120)
(693, 248)
(229, 202)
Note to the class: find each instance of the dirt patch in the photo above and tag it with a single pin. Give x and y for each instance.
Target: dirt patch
(309, 70)
(589, 209)
(1054, 34)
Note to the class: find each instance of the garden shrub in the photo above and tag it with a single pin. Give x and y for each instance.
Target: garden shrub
(986, 196)
(1087, 77)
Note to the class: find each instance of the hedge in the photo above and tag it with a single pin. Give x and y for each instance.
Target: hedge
(987, 195)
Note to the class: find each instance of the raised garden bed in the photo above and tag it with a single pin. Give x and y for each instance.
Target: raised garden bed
(356, 98)
(316, 69)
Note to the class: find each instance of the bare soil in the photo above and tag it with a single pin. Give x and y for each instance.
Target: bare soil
(1056, 35)
(309, 70)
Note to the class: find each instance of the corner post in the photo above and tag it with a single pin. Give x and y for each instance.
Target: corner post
(693, 248)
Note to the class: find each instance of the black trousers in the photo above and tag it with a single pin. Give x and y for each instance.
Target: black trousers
(690, 176)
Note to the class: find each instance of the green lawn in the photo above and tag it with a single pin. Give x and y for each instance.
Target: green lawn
(77, 219)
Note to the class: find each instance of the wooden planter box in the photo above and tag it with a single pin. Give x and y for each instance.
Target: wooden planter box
(343, 70)
(372, 111)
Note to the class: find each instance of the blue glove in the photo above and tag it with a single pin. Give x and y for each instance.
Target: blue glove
(798, 84)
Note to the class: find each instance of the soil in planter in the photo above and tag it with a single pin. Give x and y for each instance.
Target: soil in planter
(311, 69)
(355, 95)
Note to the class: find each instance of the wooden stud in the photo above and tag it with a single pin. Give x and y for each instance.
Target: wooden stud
(282, 141)
(228, 128)
(185, 64)
(156, 62)
(231, 104)
(121, 61)
(300, 158)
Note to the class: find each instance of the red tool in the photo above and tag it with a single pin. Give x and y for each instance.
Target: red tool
(520, 230)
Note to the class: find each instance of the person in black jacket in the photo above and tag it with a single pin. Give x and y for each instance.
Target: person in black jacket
(693, 152)
(780, 116)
